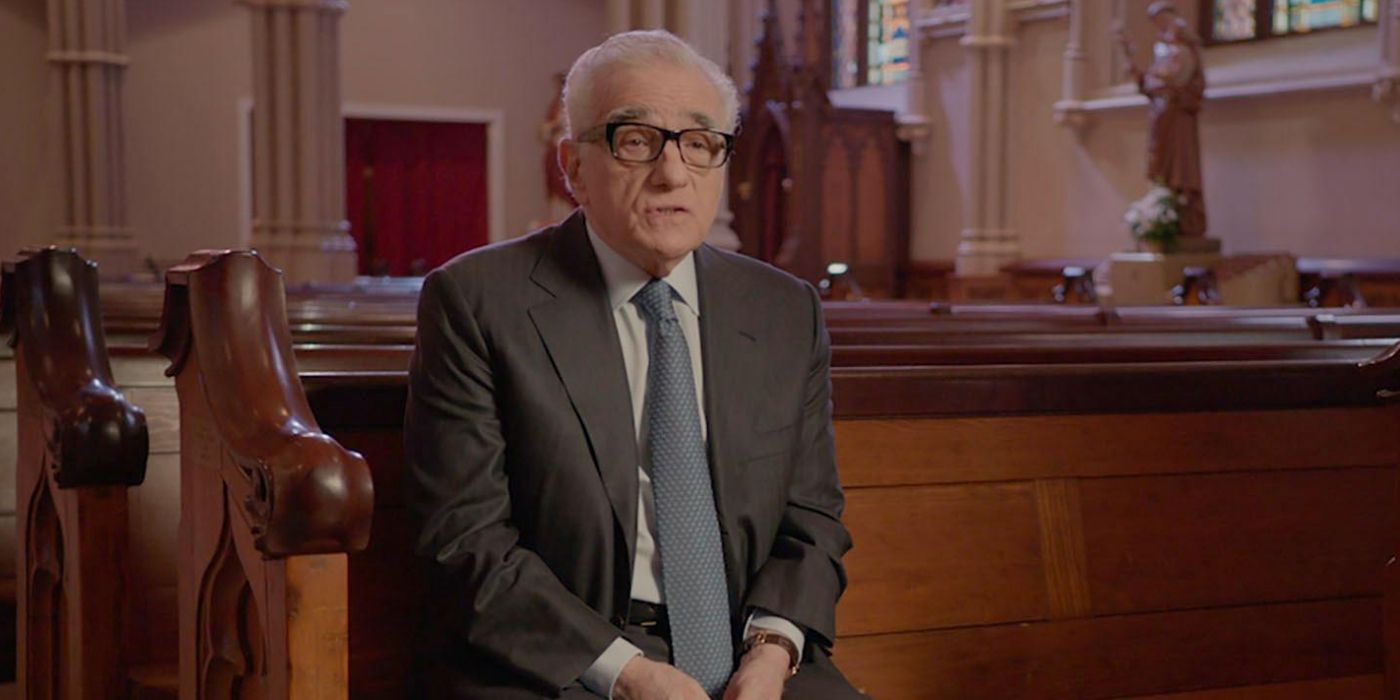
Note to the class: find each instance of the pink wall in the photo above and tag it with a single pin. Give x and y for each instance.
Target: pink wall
(191, 66)
(940, 175)
(27, 147)
(1280, 171)
(1314, 173)
(473, 55)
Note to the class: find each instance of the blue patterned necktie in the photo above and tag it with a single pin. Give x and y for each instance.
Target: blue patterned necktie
(692, 560)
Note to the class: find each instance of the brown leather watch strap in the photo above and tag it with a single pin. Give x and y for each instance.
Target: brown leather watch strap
(763, 636)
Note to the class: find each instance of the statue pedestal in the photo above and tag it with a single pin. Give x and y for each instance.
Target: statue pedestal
(1146, 279)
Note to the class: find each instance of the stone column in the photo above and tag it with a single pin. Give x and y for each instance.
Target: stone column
(743, 36)
(914, 123)
(987, 239)
(649, 14)
(298, 139)
(704, 24)
(1387, 87)
(87, 44)
(1069, 111)
(619, 16)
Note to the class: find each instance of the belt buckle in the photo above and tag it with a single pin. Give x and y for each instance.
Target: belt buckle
(648, 624)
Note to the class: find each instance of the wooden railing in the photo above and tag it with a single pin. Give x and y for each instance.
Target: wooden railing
(81, 444)
(269, 504)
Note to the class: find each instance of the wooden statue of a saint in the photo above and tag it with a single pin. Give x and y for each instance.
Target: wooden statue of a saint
(1175, 85)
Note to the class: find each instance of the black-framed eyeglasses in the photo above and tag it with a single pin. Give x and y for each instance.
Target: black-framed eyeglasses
(634, 142)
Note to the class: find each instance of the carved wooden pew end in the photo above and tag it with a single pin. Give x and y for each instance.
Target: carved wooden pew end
(270, 505)
(80, 444)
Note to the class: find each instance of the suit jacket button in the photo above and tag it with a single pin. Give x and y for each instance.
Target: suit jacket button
(619, 621)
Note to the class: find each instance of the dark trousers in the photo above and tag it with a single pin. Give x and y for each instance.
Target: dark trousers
(817, 679)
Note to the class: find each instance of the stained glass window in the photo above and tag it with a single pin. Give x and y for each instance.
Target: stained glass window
(1233, 20)
(1243, 20)
(1308, 15)
(889, 41)
(870, 42)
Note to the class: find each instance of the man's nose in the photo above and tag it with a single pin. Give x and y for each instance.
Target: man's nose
(669, 170)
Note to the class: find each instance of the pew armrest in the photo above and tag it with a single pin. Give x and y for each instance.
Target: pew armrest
(50, 309)
(299, 490)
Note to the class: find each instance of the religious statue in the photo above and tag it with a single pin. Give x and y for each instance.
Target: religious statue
(558, 201)
(1174, 84)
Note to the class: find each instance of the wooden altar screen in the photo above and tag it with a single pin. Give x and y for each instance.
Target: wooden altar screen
(815, 184)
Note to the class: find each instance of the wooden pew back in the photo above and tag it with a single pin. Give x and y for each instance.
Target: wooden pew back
(1073, 532)
(381, 606)
(1055, 530)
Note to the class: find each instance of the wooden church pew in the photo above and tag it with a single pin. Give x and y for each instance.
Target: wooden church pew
(81, 444)
(1016, 526)
(152, 647)
(1367, 324)
(373, 665)
(1010, 352)
(384, 313)
(384, 440)
(1079, 533)
(270, 505)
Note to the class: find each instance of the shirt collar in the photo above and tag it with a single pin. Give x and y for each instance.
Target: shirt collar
(624, 279)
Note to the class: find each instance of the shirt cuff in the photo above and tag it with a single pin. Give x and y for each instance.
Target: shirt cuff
(781, 625)
(600, 677)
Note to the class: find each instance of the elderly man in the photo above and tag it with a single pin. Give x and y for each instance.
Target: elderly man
(620, 438)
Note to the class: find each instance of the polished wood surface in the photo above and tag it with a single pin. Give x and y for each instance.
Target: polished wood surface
(1020, 550)
(81, 444)
(1342, 327)
(986, 465)
(1121, 657)
(303, 492)
(270, 505)
(1150, 535)
(1026, 544)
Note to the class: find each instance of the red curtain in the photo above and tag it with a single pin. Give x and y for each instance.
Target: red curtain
(415, 192)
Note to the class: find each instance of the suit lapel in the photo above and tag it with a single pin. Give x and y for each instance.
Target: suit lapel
(580, 336)
(730, 343)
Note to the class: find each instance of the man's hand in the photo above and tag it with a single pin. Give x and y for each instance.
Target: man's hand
(644, 679)
(761, 674)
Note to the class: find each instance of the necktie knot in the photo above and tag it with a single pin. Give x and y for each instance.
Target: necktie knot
(654, 300)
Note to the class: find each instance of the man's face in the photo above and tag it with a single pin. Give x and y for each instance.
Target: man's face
(653, 213)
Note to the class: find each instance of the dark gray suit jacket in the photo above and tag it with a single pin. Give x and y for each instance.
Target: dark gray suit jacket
(523, 457)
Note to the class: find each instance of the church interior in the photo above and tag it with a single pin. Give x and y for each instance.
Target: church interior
(1114, 379)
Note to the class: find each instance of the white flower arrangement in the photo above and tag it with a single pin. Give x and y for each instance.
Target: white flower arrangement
(1156, 218)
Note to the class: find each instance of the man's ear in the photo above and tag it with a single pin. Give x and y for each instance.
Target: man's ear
(568, 156)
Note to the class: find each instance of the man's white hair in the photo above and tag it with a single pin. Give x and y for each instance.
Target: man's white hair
(637, 49)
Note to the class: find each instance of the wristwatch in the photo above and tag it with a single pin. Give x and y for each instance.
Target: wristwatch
(763, 636)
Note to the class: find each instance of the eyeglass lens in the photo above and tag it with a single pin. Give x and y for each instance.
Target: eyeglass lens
(641, 143)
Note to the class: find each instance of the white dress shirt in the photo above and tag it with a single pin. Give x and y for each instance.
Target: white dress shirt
(624, 280)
